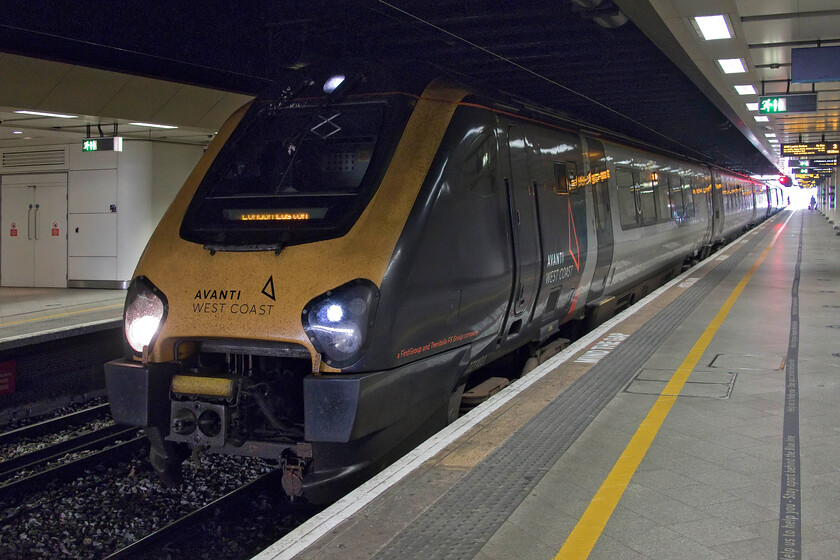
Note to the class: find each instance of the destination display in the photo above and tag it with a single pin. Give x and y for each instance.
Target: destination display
(808, 149)
(808, 180)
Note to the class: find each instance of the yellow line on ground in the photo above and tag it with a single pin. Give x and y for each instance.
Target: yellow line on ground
(582, 539)
(60, 315)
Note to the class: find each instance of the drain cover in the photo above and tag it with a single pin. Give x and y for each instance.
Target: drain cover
(703, 384)
(738, 361)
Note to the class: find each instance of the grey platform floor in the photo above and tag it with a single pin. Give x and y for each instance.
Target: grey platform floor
(710, 484)
(31, 314)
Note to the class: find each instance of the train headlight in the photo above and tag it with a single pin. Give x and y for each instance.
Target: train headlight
(145, 309)
(339, 321)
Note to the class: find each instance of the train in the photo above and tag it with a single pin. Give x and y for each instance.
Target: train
(361, 239)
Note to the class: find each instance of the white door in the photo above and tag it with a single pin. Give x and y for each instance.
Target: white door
(34, 251)
(18, 242)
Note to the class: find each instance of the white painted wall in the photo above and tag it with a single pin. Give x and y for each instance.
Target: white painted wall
(115, 200)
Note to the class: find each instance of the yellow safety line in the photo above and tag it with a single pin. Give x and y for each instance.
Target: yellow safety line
(60, 315)
(583, 537)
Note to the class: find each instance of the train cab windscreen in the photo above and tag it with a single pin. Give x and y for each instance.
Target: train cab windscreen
(291, 173)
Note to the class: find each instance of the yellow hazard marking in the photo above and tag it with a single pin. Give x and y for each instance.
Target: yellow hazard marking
(120, 305)
(583, 537)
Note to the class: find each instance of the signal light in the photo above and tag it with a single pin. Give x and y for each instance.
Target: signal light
(785, 181)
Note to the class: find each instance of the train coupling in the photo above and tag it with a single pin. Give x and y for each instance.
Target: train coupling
(294, 464)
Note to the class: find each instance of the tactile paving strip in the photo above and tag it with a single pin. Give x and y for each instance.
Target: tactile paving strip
(461, 521)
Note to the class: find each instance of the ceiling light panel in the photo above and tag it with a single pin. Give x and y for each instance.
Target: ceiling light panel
(43, 114)
(152, 125)
(752, 106)
(713, 27)
(761, 118)
(732, 65)
(745, 90)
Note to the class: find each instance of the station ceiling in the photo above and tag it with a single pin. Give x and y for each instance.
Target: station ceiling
(634, 66)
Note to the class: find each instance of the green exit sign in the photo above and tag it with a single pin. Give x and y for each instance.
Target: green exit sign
(105, 144)
(788, 103)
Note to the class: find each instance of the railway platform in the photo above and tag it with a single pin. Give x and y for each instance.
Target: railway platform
(31, 315)
(53, 343)
(700, 423)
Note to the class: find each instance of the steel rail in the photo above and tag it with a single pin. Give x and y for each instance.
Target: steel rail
(53, 424)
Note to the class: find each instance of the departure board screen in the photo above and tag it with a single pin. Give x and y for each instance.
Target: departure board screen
(809, 149)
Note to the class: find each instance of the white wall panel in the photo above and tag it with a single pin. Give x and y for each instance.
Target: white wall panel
(91, 160)
(134, 205)
(92, 268)
(92, 235)
(92, 191)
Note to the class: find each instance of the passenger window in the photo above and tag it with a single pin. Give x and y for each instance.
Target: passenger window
(663, 200)
(626, 198)
(647, 202)
(677, 206)
(571, 174)
(688, 198)
(561, 178)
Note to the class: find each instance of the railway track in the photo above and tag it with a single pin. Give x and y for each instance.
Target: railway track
(89, 493)
(249, 518)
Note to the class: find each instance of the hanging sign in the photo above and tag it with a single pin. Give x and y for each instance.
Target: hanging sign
(55, 229)
(104, 144)
(13, 230)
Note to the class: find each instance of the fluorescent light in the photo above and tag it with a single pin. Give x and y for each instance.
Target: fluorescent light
(773, 141)
(761, 118)
(745, 90)
(752, 106)
(732, 65)
(17, 132)
(713, 27)
(152, 125)
(770, 134)
(42, 114)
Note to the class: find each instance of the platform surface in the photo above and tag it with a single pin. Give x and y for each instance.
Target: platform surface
(701, 423)
(33, 315)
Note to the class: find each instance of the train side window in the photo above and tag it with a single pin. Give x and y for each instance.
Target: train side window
(561, 178)
(626, 198)
(663, 199)
(677, 206)
(571, 175)
(688, 199)
(646, 198)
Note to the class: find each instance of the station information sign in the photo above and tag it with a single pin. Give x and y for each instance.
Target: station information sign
(808, 180)
(813, 162)
(809, 149)
(787, 103)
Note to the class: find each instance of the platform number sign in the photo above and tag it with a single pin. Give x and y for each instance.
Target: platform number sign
(55, 231)
(13, 230)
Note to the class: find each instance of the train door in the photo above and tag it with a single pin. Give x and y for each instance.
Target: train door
(603, 216)
(33, 251)
(526, 248)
